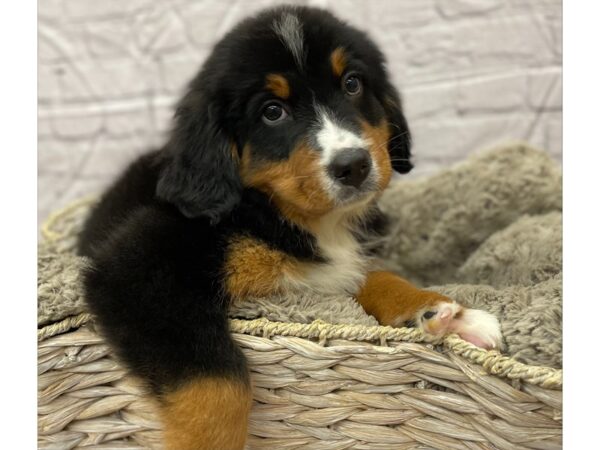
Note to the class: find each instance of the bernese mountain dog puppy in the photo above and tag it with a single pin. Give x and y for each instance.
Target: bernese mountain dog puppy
(267, 184)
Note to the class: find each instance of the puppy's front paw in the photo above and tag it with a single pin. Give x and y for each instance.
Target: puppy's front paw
(479, 328)
(473, 325)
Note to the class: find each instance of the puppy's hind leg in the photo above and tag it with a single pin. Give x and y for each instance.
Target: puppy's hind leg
(207, 413)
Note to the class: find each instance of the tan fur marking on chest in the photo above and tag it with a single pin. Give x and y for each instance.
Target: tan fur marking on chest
(254, 269)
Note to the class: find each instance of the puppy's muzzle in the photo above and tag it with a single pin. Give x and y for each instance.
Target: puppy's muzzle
(351, 166)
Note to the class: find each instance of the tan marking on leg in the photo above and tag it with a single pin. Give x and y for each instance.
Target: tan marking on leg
(338, 61)
(254, 269)
(393, 300)
(294, 185)
(207, 414)
(379, 137)
(278, 85)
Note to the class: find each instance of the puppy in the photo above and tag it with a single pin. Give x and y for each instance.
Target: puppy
(266, 185)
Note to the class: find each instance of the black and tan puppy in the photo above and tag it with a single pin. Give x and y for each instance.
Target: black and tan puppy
(267, 184)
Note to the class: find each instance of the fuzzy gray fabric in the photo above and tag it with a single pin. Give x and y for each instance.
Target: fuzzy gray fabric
(440, 222)
(486, 232)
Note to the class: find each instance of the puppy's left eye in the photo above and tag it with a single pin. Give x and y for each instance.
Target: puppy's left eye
(352, 84)
(273, 112)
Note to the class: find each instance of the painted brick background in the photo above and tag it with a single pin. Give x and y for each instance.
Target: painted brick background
(472, 72)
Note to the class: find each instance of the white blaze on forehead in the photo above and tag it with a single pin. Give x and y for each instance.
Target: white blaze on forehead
(332, 137)
(289, 30)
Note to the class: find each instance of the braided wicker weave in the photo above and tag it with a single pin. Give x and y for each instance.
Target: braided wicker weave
(316, 386)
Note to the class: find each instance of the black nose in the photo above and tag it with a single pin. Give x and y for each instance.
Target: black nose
(351, 166)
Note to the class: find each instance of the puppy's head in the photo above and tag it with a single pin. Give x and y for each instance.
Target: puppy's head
(294, 103)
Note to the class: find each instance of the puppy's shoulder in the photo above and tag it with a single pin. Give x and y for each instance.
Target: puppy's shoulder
(134, 188)
(156, 236)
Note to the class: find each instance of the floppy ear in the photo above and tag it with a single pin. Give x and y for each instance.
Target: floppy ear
(400, 140)
(200, 176)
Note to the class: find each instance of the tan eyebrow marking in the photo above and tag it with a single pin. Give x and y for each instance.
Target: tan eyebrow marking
(278, 85)
(338, 61)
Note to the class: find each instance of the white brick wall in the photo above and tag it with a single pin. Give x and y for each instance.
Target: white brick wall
(473, 73)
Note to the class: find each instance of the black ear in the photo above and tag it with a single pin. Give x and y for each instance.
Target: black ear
(200, 175)
(400, 140)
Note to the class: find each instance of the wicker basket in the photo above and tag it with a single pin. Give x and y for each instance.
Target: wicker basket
(316, 386)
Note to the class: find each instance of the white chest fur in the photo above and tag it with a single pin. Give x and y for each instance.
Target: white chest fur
(345, 267)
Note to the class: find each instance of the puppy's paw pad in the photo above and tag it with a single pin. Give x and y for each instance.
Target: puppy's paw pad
(438, 319)
(478, 327)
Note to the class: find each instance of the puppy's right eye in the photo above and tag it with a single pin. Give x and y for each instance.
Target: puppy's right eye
(352, 84)
(273, 113)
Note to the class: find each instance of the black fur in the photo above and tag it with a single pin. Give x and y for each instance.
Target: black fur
(200, 176)
(400, 140)
(158, 238)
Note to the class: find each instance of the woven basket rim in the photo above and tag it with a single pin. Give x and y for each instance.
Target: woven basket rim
(47, 230)
(493, 362)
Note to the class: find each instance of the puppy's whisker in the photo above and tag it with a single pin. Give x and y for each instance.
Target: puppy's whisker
(383, 144)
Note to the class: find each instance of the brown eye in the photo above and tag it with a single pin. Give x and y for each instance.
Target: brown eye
(352, 85)
(273, 113)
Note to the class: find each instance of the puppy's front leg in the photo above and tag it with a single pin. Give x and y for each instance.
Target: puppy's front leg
(394, 301)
